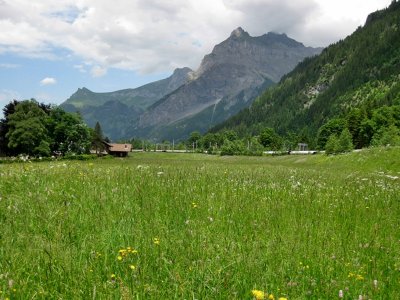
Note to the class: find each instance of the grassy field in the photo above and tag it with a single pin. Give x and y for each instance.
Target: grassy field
(191, 226)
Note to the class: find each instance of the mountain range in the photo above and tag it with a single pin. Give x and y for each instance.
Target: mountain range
(228, 80)
(356, 75)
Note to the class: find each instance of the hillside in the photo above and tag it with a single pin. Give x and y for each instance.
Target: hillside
(361, 71)
(116, 110)
(228, 80)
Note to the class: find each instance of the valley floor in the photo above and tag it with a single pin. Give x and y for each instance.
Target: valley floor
(193, 226)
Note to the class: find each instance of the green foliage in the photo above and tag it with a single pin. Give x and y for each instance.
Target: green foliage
(332, 144)
(345, 141)
(332, 127)
(387, 136)
(359, 72)
(98, 138)
(235, 147)
(27, 127)
(269, 139)
(38, 129)
(43, 149)
(339, 144)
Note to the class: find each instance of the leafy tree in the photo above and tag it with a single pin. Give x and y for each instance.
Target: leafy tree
(8, 110)
(269, 139)
(235, 147)
(230, 135)
(26, 127)
(43, 149)
(332, 127)
(194, 139)
(211, 140)
(387, 136)
(68, 132)
(354, 120)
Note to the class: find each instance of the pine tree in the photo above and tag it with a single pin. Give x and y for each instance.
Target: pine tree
(345, 142)
(98, 139)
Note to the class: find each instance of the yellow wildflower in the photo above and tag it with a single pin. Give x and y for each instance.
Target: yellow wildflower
(132, 267)
(119, 257)
(271, 297)
(156, 241)
(282, 298)
(360, 277)
(259, 295)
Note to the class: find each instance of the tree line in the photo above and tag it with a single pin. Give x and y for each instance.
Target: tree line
(37, 129)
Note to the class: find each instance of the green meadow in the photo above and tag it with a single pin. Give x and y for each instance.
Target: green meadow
(192, 226)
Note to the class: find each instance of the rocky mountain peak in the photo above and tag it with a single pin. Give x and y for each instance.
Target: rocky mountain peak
(271, 38)
(239, 33)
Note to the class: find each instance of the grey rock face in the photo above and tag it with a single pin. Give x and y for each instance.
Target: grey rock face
(228, 80)
(235, 68)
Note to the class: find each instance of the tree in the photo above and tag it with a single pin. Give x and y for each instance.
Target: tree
(8, 110)
(26, 127)
(345, 143)
(269, 139)
(194, 139)
(233, 147)
(333, 126)
(98, 138)
(332, 144)
(354, 120)
(68, 133)
(387, 136)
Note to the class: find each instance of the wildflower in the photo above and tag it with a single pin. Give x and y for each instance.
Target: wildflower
(132, 267)
(113, 277)
(271, 297)
(119, 257)
(156, 241)
(282, 298)
(359, 277)
(259, 295)
(194, 204)
(341, 294)
(375, 283)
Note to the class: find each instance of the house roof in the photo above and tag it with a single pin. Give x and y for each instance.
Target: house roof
(119, 147)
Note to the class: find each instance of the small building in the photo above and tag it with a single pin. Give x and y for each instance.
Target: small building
(303, 147)
(120, 150)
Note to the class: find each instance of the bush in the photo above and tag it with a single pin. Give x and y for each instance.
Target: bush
(233, 148)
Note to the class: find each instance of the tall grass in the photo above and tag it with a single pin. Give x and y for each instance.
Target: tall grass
(184, 226)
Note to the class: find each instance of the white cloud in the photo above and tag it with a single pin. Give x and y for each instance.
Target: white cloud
(9, 66)
(98, 71)
(48, 81)
(156, 36)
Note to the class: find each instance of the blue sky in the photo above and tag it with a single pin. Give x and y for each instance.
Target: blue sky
(25, 78)
(49, 49)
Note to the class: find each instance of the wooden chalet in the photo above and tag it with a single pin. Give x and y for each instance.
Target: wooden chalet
(120, 150)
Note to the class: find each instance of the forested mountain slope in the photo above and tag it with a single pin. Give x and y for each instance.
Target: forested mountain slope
(361, 71)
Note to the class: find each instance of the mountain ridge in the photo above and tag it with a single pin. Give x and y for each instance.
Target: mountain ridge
(360, 72)
(230, 74)
(227, 80)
